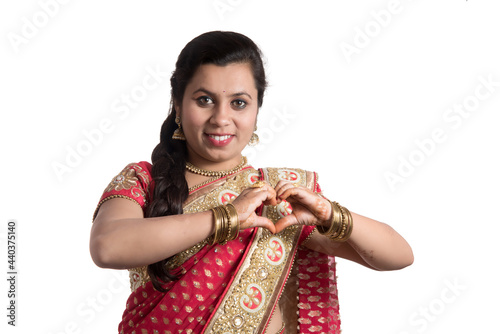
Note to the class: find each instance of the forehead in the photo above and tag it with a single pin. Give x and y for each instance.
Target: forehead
(232, 77)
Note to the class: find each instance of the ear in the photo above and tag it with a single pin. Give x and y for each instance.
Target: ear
(177, 109)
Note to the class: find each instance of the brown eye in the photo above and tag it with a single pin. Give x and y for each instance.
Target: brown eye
(204, 100)
(240, 104)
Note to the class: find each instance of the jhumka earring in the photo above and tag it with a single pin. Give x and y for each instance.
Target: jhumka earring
(178, 133)
(254, 140)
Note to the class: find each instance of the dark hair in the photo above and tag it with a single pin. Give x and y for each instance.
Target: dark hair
(169, 156)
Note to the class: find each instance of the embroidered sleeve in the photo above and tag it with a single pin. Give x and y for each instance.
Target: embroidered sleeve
(132, 183)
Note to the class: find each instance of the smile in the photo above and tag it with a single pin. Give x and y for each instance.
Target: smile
(219, 140)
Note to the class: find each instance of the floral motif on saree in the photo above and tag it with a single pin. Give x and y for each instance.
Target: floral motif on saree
(233, 288)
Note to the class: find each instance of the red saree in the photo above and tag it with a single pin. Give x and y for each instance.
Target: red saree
(233, 288)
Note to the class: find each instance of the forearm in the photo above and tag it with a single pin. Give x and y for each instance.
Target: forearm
(134, 242)
(379, 245)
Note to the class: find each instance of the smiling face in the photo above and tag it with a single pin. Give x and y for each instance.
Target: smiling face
(218, 114)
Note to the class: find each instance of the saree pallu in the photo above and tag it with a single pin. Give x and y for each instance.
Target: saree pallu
(236, 287)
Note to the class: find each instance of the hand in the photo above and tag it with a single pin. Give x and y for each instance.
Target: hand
(308, 207)
(249, 200)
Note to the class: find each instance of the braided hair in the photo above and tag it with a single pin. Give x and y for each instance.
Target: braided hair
(169, 156)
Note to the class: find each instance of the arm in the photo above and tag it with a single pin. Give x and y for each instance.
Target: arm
(372, 243)
(122, 238)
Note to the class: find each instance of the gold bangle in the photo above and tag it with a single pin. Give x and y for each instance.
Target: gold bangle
(217, 226)
(339, 219)
(234, 222)
(225, 225)
(348, 227)
(335, 223)
(341, 225)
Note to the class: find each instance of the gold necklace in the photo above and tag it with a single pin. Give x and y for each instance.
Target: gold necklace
(219, 173)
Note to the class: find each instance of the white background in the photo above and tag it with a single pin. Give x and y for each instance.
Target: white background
(351, 117)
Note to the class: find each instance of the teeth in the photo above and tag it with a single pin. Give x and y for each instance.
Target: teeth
(220, 138)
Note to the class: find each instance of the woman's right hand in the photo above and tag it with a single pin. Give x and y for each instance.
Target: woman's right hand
(249, 200)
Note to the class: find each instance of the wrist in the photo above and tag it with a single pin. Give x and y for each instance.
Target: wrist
(340, 226)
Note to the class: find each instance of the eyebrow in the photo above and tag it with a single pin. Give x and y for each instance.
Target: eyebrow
(203, 90)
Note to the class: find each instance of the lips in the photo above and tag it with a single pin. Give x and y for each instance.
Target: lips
(219, 140)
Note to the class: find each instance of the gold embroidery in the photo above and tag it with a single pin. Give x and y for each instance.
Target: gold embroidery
(127, 179)
(314, 284)
(313, 299)
(249, 296)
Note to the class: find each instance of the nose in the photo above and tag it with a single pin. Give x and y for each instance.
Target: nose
(221, 115)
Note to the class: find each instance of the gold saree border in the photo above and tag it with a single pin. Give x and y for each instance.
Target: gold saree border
(250, 299)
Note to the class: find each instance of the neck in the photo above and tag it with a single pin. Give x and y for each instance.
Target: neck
(217, 169)
(218, 163)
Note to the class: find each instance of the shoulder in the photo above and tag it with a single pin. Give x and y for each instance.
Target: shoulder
(294, 175)
(134, 182)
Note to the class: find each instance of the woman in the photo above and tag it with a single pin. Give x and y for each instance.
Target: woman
(214, 245)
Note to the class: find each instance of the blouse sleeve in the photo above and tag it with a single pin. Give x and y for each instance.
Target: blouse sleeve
(132, 183)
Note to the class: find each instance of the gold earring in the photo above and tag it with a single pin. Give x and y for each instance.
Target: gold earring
(178, 133)
(254, 140)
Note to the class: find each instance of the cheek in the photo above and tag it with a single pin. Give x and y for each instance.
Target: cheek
(247, 123)
(191, 120)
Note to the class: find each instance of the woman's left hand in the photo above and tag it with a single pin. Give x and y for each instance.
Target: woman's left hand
(308, 208)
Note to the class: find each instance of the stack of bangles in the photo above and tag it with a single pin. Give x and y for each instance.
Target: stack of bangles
(340, 228)
(227, 224)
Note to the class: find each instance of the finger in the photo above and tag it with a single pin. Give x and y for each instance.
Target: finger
(282, 186)
(284, 222)
(258, 221)
(266, 223)
(270, 195)
(317, 205)
(289, 191)
(252, 198)
(279, 186)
